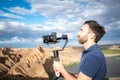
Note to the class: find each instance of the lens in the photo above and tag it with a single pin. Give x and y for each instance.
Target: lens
(64, 37)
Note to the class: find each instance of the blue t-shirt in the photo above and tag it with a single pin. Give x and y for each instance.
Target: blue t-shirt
(93, 63)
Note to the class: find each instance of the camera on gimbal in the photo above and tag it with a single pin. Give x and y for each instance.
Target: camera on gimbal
(50, 38)
(53, 39)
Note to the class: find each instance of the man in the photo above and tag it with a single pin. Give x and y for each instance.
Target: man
(93, 63)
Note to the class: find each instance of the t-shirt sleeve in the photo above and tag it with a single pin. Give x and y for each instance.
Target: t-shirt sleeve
(90, 65)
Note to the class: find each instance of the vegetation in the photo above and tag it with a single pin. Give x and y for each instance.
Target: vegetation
(105, 51)
(71, 64)
(110, 51)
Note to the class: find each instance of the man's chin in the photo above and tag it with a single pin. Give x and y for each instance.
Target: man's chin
(80, 42)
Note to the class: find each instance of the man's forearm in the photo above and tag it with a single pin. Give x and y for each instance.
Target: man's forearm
(68, 76)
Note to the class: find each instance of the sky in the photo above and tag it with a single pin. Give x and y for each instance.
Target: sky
(24, 22)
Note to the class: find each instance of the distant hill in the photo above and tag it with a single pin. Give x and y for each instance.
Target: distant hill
(110, 46)
(106, 46)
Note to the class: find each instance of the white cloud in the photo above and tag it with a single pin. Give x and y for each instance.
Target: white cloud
(39, 27)
(2, 26)
(109, 42)
(72, 35)
(18, 40)
(10, 15)
(73, 43)
(12, 25)
(15, 24)
(19, 10)
(13, 40)
(38, 40)
(50, 8)
(67, 8)
(57, 8)
(59, 25)
(62, 16)
(92, 12)
(64, 25)
(113, 26)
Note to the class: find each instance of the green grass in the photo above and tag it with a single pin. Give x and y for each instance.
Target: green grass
(110, 51)
(71, 64)
(105, 51)
(118, 58)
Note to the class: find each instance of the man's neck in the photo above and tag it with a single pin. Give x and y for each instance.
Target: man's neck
(88, 44)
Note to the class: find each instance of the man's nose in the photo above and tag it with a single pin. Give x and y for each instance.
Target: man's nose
(78, 33)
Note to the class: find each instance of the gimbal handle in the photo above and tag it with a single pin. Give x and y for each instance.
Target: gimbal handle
(56, 55)
(56, 52)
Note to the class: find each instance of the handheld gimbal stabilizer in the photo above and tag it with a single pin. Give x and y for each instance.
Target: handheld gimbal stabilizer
(52, 39)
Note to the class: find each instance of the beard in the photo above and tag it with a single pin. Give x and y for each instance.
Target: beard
(82, 40)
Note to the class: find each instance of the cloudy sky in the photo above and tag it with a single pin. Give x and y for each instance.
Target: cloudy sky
(24, 22)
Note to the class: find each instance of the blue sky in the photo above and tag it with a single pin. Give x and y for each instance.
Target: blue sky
(24, 22)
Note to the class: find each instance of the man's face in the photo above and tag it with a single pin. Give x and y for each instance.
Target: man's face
(83, 34)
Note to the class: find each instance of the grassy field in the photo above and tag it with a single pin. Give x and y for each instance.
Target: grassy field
(107, 52)
(110, 51)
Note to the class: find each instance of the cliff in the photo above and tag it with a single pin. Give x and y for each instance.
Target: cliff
(22, 64)
(32, 63)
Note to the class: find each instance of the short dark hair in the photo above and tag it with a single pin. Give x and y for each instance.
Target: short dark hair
(96, 28)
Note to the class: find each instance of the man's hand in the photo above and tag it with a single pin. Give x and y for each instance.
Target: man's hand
(59, 69)
(57, 66)
(57, 73)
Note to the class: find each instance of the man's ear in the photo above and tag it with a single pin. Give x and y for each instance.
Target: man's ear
(91, 36)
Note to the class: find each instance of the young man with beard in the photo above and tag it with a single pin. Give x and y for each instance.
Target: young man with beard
(93, 63)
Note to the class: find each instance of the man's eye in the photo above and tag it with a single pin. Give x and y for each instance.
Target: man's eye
(81, 29)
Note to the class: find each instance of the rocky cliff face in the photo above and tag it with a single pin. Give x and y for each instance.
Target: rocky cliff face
(22, 64)
(32, 63)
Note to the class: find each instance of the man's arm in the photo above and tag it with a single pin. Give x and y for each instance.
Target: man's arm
(82, 76)
(59, 68)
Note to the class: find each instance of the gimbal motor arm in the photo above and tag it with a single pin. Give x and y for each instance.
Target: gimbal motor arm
(56, 52)
(52, 39)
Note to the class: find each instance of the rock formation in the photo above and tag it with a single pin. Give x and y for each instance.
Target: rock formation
(22, 64)
(32, 63)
